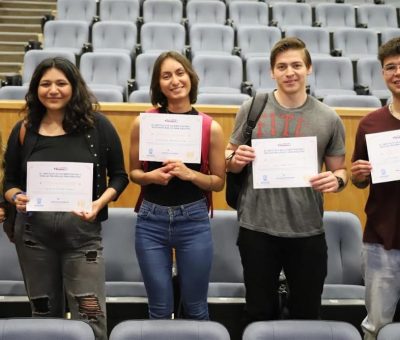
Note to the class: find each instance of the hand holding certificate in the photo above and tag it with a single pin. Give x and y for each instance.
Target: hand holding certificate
(59, 186)
(384, 155)
(166, 136)
(284, 162)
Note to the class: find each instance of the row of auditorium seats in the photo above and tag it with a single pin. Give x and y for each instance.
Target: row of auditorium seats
(342, 299)
(49, 329)
(237, 12)
(223, 79)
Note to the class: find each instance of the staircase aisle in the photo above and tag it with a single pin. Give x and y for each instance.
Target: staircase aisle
(20, 21)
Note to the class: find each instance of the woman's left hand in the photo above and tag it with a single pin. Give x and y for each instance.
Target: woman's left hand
(180, 170)
(89, 216)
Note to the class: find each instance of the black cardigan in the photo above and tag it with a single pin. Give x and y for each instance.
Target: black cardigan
(104, 144)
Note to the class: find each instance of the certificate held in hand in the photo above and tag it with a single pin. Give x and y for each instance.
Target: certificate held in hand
(170, 136)
(59, 186)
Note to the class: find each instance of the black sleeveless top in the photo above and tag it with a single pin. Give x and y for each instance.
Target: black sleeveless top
(177, 191)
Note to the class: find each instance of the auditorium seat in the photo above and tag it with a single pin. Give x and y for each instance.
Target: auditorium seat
(286, 14)
(257, 40)
(81, 10)
(356, 43)
(258, 74)
(248, 13)
(65, 35)
(333, 16)
(167, 11)
(221, 99)
(119, 10)
(169, 329)
(106, 70)
(211, 39)
(377, 17)
(369, 74)
(157, 37)
(204, 11)
(45, 329)
(389, 33)
(352, 101)
(331, 76)
(301, 330)
(114, 36)
(390, 331)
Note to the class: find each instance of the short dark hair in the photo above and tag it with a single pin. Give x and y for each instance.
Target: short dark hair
(389, 49)
(78, 111)
(289, 43)
(157, 97)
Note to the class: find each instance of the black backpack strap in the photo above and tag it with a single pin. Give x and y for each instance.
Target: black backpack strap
(256, 109)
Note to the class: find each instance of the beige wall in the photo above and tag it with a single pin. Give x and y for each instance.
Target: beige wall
(121, 115)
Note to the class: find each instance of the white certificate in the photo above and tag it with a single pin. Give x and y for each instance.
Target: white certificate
(59, 186)
(384, 155)
(284, 162)
(170, 136)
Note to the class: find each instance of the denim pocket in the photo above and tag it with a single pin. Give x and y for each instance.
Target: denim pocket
(197, 212)
(144, 211)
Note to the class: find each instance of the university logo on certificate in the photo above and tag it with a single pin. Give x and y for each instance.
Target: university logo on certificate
(170, 136)
(59, 186)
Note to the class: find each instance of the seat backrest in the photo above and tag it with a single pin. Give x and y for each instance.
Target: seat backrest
(291, 14)
(118, 233)
(352, 101)
(45, 329)
(389, 33)
(83, 10)
(343, 233)
(258, 72)
(206, 11)
(356, 42)
(377, 16)
(301, 330)
(33, 58)
(211, 38)
(66, 34)
(390, 331)
(331, 73)
(162, 11)
(169, 329)
(219, 71)
(159, 37)
(105, 68)
(119, 10)
(369, 73)
(257, 39)
(226, 266)
(315, 38)
(144, 68)
(248, 13)
(114, 35)
(335, 15)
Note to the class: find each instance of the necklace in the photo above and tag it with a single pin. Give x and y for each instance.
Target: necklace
(394, 113)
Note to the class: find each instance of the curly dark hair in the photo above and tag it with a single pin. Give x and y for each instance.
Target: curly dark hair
(79, 112)
(157, 97)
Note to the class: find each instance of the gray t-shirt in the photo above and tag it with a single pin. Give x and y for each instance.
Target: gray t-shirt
(288, 212)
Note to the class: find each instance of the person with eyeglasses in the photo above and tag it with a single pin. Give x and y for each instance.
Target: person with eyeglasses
(381, 240)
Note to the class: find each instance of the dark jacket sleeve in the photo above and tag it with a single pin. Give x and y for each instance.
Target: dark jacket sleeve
(117, 176)
(12, 160)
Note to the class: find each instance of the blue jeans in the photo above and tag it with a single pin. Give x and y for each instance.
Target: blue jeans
(382, 287)
(61, 255)
(186, 228)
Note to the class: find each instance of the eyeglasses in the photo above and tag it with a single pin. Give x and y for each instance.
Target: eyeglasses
(391, 68)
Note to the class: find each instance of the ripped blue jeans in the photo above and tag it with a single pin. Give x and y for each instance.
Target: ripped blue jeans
(61, 255)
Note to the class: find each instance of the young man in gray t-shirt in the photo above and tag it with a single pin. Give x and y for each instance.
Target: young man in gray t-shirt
(281, 228)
